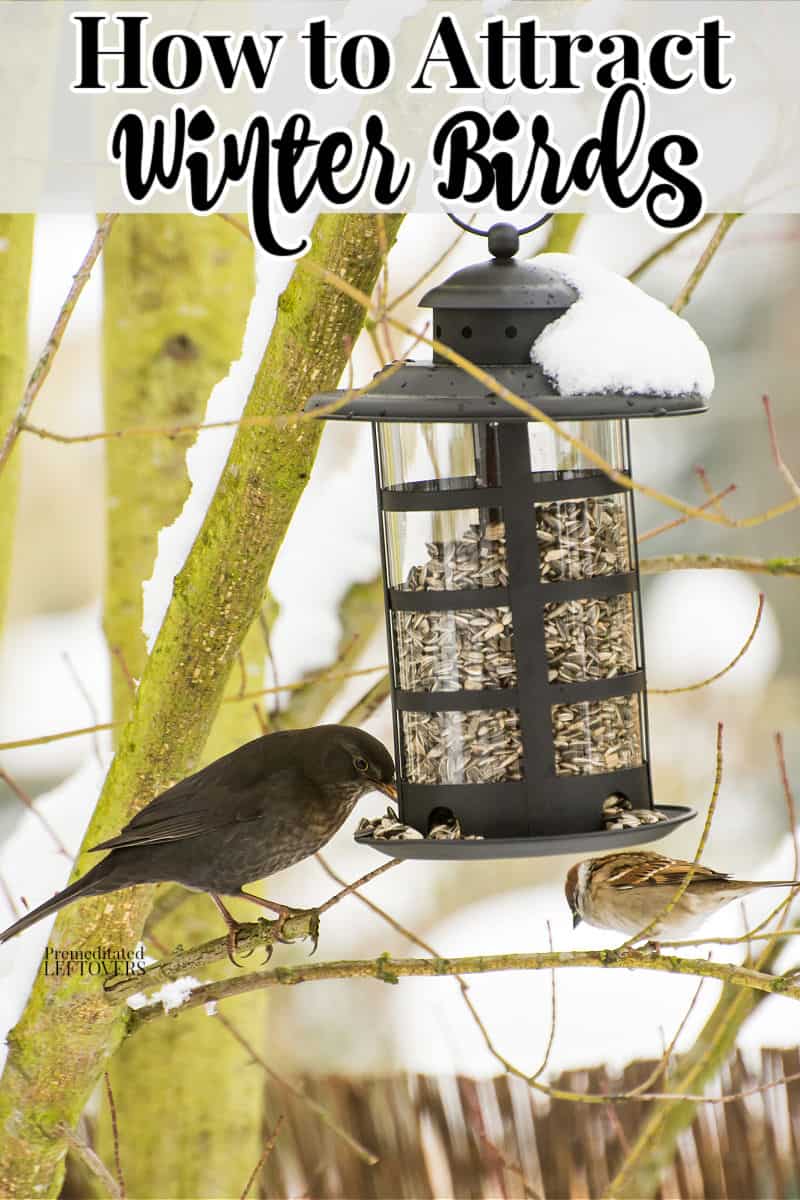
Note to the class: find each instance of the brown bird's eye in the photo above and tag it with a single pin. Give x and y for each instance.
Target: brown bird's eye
(360, 764)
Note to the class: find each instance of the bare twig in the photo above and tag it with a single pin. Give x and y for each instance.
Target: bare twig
(268, 1148)
(701, 845)
(553, 1017)
(794, 487)
(25, 799)
(119, 655)
(349, 888)
(238, 225)
(361, 1151)
(426, 274)
(45, 360)
(688, 289)
(705, 483)
(477, 1128)
(9, 899)
(92, 707)
(389, 970)
(44, 739)
(663, 1063)
(712, 502)
(719, 562)
(695, 687)
(91, 1160)
(112, 1110)
(666, 247)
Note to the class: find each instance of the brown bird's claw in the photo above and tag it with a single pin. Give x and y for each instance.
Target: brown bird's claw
(287, 914)
(232, 939)
(314, 931)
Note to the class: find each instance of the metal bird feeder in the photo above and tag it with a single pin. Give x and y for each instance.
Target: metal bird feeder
(511, 582)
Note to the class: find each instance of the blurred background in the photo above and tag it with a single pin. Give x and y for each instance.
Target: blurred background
(54, 670)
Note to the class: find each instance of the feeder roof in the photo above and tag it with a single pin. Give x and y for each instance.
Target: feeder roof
(502, 283)
(444, 392)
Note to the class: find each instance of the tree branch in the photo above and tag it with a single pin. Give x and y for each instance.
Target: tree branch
(45, 360)
(390, 970)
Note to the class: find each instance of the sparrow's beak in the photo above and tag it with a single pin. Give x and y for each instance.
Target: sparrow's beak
(576, 919)
(388, 789)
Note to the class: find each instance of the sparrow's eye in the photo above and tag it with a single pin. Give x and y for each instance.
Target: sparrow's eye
(360, 764)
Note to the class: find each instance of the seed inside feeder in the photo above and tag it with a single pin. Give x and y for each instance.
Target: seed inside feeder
(473, 649)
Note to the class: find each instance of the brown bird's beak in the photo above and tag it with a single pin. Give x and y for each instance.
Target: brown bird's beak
(388, 789)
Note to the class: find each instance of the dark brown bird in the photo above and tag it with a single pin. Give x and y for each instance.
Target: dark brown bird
(263, 807)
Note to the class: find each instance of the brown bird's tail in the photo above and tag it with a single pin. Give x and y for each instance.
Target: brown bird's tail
(90, 884)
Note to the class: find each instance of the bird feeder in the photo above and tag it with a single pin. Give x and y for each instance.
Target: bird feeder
(511, 581)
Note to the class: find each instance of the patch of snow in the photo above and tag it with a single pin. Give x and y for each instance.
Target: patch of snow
(211, 1007)
(207, 457)
(172, 994)
(335, 528)
(616, 338)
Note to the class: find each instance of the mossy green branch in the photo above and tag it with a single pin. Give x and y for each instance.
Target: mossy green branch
(16, 243)
(69, 1028)
(741, 977)
(176, 293)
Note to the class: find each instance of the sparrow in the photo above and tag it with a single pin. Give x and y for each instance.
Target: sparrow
(265, 806)
(626, 891)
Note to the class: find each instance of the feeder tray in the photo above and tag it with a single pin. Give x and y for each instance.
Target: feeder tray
(472, 850)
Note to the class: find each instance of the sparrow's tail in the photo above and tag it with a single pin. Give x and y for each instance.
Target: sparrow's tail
(90, 884)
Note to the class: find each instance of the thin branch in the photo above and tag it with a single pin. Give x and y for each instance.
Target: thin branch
(9, 899)
(701, 845)
(705, 483)
(666, 247)
(426, 274)
(477, 1127)
(794, 487)
(112, 1110)
(364, 708)
(389, 970)
(90, 704)
(124, 668)
(45, 361)
(44, 739)
(663, 1063)
(25, 799)
(91, 1160)
(257, 421)
(350, 888)
(553, 1016)
(695, 687)
(358, 1149)
(712, 502)
(719, 562)
(268, 1148)
(377, 910)
(238, 225)
(303, 923)
(688, 289)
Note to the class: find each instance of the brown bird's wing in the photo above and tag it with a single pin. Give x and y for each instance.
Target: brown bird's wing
(205, 802)
(656, 870)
